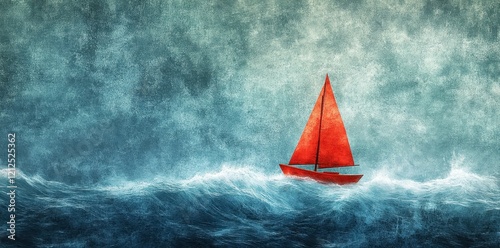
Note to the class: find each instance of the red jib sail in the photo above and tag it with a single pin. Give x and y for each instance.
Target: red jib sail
(324, 140)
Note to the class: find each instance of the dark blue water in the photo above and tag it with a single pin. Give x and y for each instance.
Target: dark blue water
(240, 206)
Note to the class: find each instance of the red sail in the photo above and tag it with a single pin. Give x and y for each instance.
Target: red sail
(334, 149)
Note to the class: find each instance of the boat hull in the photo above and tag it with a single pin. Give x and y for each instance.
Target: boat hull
(324, 177)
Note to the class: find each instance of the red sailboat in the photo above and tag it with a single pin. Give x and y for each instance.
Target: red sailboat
(323, 143)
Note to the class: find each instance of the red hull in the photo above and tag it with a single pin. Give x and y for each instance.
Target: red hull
(325, 177)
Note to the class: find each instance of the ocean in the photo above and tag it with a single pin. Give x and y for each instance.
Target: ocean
(241, 206)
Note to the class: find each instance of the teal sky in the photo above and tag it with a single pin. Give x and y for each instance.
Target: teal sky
(100, 89)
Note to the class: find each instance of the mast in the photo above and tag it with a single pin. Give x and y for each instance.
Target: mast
(320, 121)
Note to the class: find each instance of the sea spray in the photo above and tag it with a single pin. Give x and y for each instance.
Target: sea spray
(239, 204)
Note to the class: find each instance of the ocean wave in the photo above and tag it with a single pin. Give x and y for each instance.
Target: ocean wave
(239, 204)
(249, 180)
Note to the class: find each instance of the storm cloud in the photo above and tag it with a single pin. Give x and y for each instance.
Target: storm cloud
(103, 89)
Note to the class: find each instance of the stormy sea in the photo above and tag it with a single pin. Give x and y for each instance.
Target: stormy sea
(241, 206)
(162, 123)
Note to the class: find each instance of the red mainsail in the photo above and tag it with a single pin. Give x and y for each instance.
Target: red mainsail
(324, 140)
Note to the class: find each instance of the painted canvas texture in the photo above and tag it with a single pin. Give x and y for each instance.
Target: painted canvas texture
(163, 123)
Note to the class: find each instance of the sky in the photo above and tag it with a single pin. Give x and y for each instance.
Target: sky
(137, 89)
